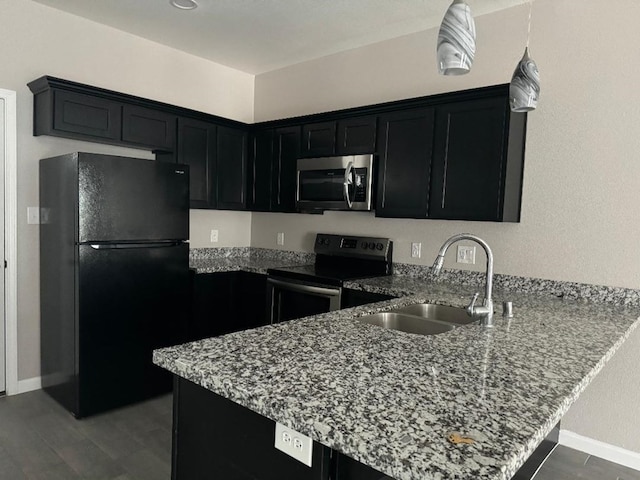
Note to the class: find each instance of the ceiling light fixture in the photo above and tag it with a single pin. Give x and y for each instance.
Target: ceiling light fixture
(456, 40)
(184, 4)
(524, 89)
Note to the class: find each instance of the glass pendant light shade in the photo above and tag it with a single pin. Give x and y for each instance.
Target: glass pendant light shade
(456, 40)
(524, 89)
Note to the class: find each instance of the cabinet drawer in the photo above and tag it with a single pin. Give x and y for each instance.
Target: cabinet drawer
(86, 115)
(150, 128)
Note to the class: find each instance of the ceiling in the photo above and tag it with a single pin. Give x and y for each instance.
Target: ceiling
(257, 36)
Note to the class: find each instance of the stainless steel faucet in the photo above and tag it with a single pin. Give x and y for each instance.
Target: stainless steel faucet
(484, 312)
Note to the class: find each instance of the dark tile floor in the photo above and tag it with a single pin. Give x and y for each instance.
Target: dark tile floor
(40, 440)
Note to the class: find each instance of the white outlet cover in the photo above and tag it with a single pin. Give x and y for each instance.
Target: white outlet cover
(416, 250)
(33, 215)
(280, 238)
(466, 254)
(300, 448)
(214, 236)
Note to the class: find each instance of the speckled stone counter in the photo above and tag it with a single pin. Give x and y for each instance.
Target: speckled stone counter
(255, 260)
(390, 399)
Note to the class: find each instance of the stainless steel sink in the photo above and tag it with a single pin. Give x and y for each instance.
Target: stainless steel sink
(406, 323)
(442, 313)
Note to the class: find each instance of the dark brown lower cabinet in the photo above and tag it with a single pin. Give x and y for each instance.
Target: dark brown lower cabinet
(215, 438)
(225, 302)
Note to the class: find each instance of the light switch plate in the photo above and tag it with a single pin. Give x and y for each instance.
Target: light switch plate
(294, 444)
(280, 238)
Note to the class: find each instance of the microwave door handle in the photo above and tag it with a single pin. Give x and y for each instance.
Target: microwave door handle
(347, 174)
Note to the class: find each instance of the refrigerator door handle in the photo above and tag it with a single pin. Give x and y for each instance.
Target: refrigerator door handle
(122, 246)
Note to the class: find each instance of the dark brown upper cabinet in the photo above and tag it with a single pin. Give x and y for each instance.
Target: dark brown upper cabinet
(319, 139)
(148, 128)
(272, 171)
(348, 136)
(404, 167)
(231, 169)
(286, 151)
(260, 170)
(197, 148)
(79, 116)
(477, 161)
(457, 155)
(356, 135)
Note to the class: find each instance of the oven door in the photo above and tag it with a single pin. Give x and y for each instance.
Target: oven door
(289, 299)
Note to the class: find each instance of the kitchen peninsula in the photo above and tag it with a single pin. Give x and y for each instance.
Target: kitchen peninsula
(390, 400)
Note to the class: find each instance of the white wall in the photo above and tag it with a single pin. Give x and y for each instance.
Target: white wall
(36, 40)
(582, 175)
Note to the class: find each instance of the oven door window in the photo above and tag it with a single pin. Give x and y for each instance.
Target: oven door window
(323, 185)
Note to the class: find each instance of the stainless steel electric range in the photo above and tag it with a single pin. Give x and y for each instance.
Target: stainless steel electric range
(295, 292)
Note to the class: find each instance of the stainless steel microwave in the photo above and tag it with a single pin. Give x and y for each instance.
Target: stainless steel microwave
(335, 183)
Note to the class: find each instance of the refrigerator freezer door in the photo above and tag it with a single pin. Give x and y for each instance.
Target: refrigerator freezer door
(131, 301)
(127, 200)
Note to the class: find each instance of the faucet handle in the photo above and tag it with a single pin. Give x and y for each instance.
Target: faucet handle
(472, 305)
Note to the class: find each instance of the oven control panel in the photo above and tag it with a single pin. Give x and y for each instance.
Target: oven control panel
(348, 245)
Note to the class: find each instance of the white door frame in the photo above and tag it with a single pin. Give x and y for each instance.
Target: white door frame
(10, 229)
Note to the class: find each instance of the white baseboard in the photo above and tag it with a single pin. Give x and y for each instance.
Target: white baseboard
(29, 384)
(600, 449)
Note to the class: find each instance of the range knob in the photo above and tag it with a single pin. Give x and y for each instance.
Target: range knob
(379, 246)
(372, 245)
(364, 245)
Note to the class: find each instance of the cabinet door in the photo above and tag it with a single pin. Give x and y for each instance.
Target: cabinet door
(212, 305)
(405, 142)
(346, 468)
(319, 139)
(357, 135)
(286, 146)
(259, 172)
(250, 298)
(148, 127)
(215, 438)
(231, 171)
(197, 148)
(469, 159)
(85, 115)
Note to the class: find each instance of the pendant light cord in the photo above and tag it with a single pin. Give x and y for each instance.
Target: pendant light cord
(529, 25)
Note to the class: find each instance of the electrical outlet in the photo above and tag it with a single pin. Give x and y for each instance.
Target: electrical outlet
(214, 236)
(294, 444)
(33, 215)
(280, 238)
(416, 250)
(466, 254)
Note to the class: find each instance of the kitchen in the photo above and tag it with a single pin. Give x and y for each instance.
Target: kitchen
(580, 183)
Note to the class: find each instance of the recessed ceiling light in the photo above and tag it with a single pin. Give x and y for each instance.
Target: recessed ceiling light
(184, 4)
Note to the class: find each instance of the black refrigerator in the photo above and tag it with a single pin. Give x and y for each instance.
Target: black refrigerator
(114, 277)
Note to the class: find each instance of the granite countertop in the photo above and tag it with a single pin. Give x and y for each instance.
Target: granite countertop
(209, 260)
(390, 399)
(253, 265)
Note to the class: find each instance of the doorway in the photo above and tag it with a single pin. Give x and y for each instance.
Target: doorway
(8, 243)
(3, 362)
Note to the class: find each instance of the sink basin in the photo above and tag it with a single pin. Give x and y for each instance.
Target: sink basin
(406, 323)
(441, 313)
